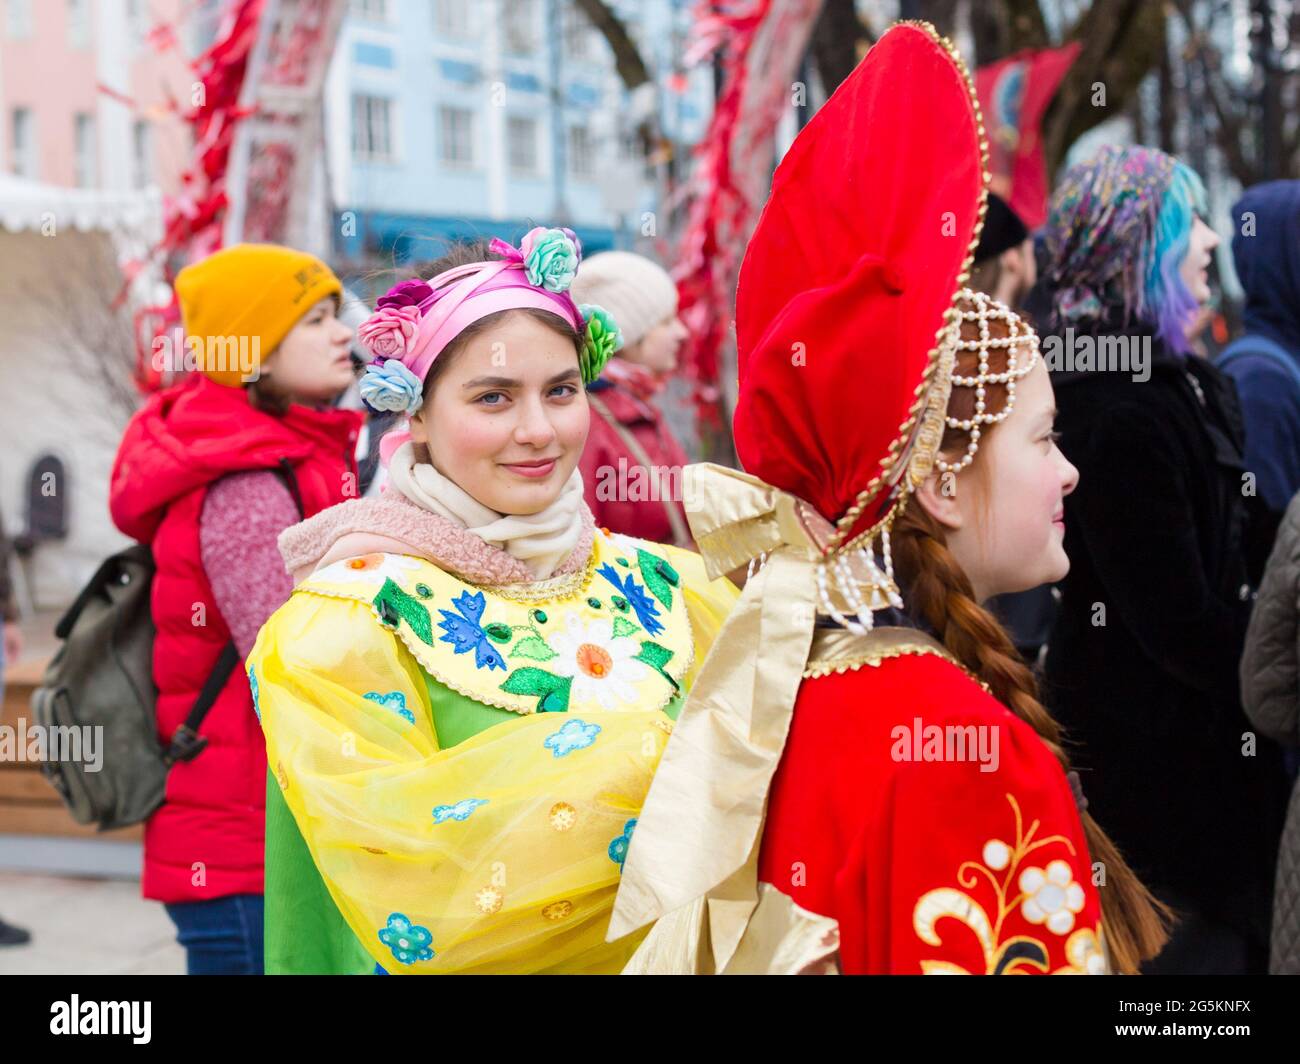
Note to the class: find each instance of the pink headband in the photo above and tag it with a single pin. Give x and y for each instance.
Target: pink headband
(478, 290)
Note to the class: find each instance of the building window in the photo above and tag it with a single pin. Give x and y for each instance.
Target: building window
(520, 22)
(631, 148)
(18, 19)
(582, 160)
(141, 154)
(373, 10)
(372, 128)
(22, 142)
(521, 139)
(79, 24)
(452, 18)
(577, 33)
(456, 136)
(84, 147)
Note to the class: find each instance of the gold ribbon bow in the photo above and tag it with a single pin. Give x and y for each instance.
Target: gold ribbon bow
(698, 833)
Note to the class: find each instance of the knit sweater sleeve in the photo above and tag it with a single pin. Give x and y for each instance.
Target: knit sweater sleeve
(243, 514)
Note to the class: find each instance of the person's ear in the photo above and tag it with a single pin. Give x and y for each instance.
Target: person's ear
(1013, 262)
(419, 430)
(937, 495)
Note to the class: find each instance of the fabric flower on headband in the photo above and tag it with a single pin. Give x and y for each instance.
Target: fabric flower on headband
(407, 294)
(602, 338)
(388, 332)
(551, 258)
(391, 386)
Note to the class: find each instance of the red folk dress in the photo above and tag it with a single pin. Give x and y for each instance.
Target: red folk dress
(973, 864)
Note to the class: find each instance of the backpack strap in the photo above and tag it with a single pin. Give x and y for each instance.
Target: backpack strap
(681, 533)
(285, 472)
(186, 742)
(1271, 350)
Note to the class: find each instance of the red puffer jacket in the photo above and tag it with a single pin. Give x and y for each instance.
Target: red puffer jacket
(206, 841)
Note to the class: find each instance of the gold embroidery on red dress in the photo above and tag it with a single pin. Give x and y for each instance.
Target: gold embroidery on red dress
(1047, 895)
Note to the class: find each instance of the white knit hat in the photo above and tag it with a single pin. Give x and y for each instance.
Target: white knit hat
(635, 290)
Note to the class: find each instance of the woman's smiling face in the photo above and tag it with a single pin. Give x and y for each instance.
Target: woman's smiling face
(507, 419)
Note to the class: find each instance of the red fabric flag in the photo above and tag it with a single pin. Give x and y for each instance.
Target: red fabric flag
(1014, 95)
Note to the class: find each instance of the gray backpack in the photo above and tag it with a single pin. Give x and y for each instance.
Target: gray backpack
(102, 678)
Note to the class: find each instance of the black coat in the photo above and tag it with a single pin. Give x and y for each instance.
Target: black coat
(1150, 698)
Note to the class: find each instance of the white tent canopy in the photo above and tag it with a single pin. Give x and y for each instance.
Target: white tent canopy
(31, 205)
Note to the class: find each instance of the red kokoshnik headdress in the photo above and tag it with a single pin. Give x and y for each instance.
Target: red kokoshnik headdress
(847, 330)
(849, 285)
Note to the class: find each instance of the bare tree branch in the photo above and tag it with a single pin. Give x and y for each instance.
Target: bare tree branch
(1121, 42)
(627, 57)
(836, 38)
(97, 338)
(1025, 26)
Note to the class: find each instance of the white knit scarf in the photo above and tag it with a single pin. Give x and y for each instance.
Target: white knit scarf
(541, 540)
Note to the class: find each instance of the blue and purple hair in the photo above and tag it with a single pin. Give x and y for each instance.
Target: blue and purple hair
(1168, 303)
(1117, 236)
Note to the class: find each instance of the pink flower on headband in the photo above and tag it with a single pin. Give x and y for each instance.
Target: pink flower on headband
(407, 294)
(388, 332)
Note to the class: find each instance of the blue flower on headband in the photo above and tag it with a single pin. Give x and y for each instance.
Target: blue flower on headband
(391, 386)
(550, 259)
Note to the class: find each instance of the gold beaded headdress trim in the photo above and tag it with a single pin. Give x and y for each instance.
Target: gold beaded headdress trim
(1019, 335)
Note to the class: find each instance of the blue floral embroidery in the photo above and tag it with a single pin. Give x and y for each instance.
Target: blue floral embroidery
(466, 634)
(646, 610)
(409, 942)
(252, 686)
(394, 700)
(618, 848)
(460, 811)
(575, 735)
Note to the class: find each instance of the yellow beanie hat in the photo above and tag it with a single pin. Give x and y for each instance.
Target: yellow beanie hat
(240, 302)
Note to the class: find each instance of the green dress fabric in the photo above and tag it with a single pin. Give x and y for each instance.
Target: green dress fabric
(304, 932)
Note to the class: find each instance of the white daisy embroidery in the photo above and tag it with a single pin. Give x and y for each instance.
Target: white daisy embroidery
(1053, 897)
(603, 668)
(369, 568)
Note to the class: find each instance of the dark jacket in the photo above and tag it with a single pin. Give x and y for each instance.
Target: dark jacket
(1266, 253)
(1142, 662)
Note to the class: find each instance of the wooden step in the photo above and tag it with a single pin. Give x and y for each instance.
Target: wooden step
(28, 804)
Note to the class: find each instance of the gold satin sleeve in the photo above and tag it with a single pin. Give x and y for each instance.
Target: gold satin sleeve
(708, 602)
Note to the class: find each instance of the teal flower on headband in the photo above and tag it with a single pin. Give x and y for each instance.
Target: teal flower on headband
(391, 386)
(550, 259)
(602, 338)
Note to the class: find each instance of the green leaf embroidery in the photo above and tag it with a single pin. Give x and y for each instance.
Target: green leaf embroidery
(392, 600)
(656, 657)
(557, 701)
(533, 648)
(552, 691)
(659, 576)
(622, 626)
(497, 632)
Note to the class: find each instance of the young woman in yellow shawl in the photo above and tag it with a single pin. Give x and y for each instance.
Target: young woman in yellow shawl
(467, 694)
